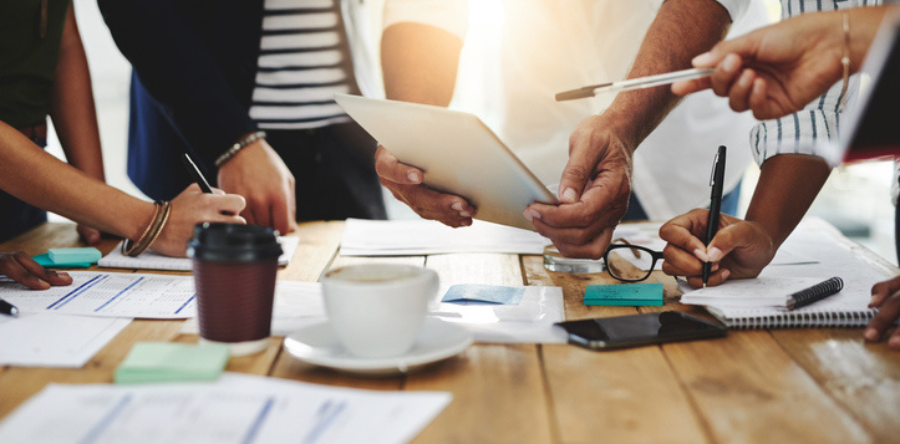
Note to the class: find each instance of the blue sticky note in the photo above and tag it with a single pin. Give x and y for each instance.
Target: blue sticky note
(471, 294)
(625, 295)
(61, 256)
(45, 261)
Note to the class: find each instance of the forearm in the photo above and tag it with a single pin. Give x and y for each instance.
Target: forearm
(419, 63)
(682, 29)
(34, 176)
(72, 105)
(787, 186)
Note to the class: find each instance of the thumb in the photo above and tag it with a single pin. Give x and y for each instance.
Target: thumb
(744, 46)
(577, 173)
(727, 239)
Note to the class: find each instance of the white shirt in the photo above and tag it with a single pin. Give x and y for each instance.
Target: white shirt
(551, 46)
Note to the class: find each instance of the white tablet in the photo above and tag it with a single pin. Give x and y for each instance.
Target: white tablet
(459, 154)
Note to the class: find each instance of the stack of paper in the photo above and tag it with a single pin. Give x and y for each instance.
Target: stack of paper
(420, 237)
(235, 409)
(150, 260)
(52, 340)
(168, 361)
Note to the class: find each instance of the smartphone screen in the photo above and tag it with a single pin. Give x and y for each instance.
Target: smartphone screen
(642, 329)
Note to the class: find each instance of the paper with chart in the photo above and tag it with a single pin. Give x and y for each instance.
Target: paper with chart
(419, 237)
(150, 260)
(52, 340)
(237, 409)
(126, 295)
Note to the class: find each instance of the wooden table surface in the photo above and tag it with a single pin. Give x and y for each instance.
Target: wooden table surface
(780, 386)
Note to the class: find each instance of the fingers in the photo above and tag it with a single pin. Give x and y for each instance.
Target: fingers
(758, 99)
(725, 74)
(594, 248)
(24, 270)
(434, 205)
(715, 278)
(682, 231)
(887, 314)
(685, 87)
(882, 290)
(280, 216)
(583, 159)
(389, 168)
(257, 212)
(739, 95)
(738, 235)
(89, 235)
(231, 204)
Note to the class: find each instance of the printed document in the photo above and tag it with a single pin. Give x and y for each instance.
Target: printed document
(150, 260)
(53, 340)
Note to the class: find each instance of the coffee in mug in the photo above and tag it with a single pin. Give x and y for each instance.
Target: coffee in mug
(377, 310)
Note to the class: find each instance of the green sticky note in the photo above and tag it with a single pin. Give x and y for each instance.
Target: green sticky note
(627, 295)
(45, 261)
(61, 256)
(165, 361)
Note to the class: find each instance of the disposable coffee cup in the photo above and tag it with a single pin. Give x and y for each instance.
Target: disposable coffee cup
(234, 275)
(377, 310)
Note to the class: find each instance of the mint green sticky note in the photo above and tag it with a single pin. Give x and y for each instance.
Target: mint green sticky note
(149, 362)
(627, 295)
(45, 261)
(61, 256)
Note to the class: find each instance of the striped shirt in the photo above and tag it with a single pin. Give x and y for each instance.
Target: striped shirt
(819, 121)
(304, 59)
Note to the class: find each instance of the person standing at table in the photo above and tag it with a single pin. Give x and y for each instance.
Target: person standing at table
(43, 71)
(247, 85)
(546, 47)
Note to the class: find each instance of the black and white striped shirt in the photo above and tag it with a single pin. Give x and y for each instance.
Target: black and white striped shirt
(304, 59)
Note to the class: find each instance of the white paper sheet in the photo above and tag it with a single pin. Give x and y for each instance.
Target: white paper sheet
(153, 261)
(239, 409)
(52, 340)
(419, 237)
(764, 291)
(299, 304)
(126, 295)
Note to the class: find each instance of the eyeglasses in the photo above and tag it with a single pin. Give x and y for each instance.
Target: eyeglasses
(623, 261)
(630, 263)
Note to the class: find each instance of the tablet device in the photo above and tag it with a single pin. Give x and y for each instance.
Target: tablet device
(459, 154)
(871, 130)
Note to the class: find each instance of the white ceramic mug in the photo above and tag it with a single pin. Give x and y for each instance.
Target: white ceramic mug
(377, 310)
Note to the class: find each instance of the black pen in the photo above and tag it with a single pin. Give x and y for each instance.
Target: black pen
(715, 204)
(8, 309)
(196, 174)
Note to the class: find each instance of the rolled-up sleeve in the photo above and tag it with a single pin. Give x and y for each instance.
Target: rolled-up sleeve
(735, 8)
(449, 15)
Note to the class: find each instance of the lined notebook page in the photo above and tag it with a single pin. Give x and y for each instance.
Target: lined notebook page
(847, 308)
(154, 261)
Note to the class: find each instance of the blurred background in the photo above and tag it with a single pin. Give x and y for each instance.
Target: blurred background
(856, 198)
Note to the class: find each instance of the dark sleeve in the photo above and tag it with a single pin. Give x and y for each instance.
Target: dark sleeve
(179, 71)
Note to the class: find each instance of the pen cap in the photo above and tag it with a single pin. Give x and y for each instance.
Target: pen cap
(233, 243)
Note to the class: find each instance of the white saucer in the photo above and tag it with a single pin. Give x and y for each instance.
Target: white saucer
(318, 345)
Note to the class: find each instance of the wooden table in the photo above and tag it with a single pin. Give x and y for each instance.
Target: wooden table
(781, 386)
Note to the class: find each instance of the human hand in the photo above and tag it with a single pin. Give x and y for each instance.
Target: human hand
(192, 207)
(593, 191)
(89, 235)
(885, 297)
(776, 70)
(405, 183)
(258, 174)
(21, 268)
(741, 249)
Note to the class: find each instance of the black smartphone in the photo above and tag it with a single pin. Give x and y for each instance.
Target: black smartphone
(637, 330)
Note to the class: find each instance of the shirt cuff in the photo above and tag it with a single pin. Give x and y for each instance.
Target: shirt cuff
(735, 8)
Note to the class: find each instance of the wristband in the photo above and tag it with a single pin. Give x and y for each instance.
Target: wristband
(239, 145)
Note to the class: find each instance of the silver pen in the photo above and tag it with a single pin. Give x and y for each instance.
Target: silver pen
(637, 83)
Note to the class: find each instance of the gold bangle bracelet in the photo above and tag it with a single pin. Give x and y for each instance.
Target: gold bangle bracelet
(154, 230)
(845, 61)
(129, 246)
(162, 224)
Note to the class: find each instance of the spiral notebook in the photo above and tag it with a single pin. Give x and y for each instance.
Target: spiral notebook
(154, 261)
(760, 302)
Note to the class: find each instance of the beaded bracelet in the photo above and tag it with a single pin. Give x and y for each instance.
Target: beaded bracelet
(239, 145)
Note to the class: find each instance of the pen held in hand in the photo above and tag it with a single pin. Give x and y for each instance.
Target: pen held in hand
(195, 173)
(636, 83)
(717, 180)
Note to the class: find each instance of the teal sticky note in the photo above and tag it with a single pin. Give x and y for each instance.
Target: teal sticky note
(471, 294)
(166, 361)
(625, 295)
(45, 261)
(61, 256)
